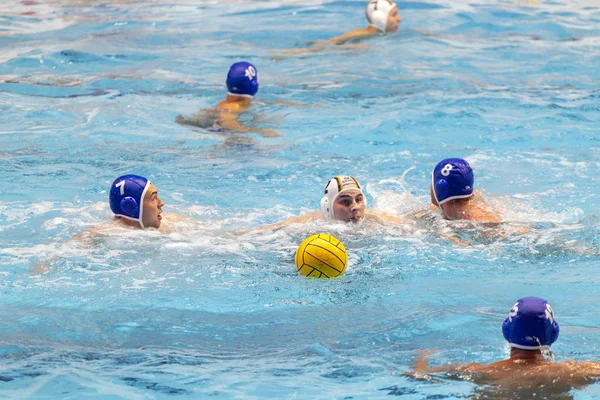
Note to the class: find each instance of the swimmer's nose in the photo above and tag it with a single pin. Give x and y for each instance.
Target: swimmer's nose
(160, 202)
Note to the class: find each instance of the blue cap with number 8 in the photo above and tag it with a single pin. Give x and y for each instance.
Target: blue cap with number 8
(127, 197)
(451, 179)
(242, 79)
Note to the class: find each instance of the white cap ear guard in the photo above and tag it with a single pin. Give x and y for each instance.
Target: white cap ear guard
(377, 12)
(336, 186)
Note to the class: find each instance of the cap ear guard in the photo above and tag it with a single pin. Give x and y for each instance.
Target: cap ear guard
(326, 207)
(129, 207)
(440, 189)
(555, 332)
(127, 195)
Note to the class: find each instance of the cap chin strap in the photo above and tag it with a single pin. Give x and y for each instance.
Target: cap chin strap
(434, 193)
(141, 218)
(539, 347)
(248, 96)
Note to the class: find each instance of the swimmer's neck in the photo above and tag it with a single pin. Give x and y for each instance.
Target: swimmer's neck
(520, 354)
(129, 223)
(242, 100)
(372, 30)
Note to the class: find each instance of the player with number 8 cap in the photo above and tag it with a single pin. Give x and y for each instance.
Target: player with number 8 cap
(452, 191)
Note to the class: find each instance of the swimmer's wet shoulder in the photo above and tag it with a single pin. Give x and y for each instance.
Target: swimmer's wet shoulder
(242, 85)
(452, 191)
(530, 329)
(382, 17)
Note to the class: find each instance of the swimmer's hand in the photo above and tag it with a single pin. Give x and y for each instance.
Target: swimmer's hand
(269, 133)
(289, 103)
(41, 267)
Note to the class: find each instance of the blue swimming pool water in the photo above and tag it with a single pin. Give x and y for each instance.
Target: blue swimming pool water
(90, 90)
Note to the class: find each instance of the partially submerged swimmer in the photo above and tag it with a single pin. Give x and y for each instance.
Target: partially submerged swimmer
(382, 17)
(343, 200)
(242, 86)
(453, 193)
(530, 330)
(135, 202)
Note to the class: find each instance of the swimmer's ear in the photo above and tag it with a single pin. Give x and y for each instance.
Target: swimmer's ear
(129, 207)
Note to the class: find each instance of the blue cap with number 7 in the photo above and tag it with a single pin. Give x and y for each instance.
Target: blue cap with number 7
(127, 197)
(451, 179)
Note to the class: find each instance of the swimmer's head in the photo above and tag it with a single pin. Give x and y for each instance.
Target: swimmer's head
(242, 79)
(135, 198)
(344, 199)
(383, 15)
(530, 324)
(451, 179)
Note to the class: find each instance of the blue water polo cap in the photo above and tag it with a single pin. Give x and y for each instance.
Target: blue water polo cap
(530, 324)
(127, 197)
(451, 179)
(242, 79)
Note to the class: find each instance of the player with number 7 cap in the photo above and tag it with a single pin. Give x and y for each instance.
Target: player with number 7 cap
(135, 202)
(452, 191)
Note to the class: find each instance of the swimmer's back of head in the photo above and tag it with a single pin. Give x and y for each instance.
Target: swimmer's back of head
(242, 79)
(530, 324)
(452, 179)
(377, 13)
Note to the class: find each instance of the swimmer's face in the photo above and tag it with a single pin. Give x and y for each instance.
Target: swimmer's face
(349, 206)
(393, 20)
(152, 208)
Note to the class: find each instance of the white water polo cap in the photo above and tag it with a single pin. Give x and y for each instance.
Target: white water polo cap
(377, 13)
(334, 188)
(127, 197)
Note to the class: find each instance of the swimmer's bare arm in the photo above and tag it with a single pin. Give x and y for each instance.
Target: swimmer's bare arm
(320, 45)
(586, 368)
(421, 367)
(228, 119)
(292, 220)
(383, 217)
(355, 35)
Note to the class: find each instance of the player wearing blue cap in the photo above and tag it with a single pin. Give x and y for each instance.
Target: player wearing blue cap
(135, 202)
(242, 86)
(453, 193)
(530, 330)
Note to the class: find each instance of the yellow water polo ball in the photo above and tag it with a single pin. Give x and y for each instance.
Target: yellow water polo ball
(321, 256)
